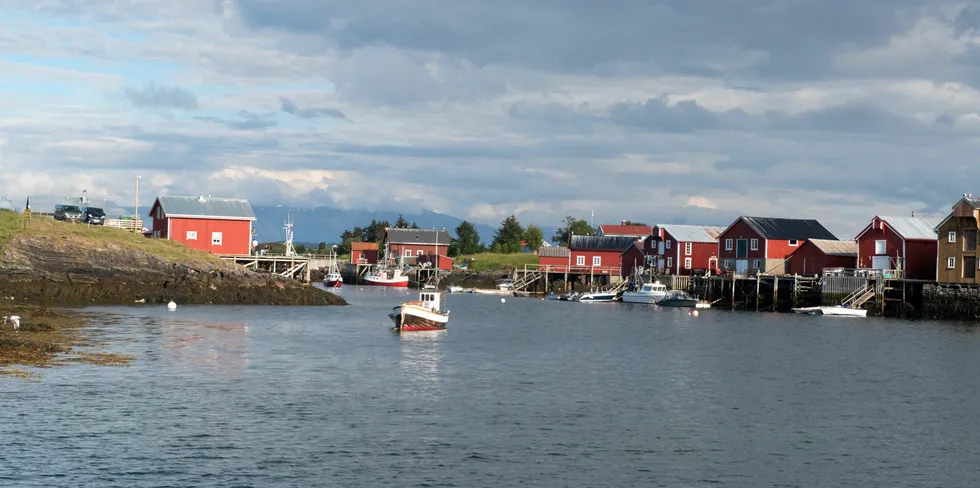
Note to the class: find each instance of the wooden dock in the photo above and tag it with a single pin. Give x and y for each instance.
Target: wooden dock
(297, 267)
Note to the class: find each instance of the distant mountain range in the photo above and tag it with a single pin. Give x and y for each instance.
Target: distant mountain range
(325, 224)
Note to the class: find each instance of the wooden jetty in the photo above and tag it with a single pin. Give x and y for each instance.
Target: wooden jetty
(287, 266)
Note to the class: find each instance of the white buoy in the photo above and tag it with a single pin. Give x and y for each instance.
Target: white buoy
(503, 300)
(694, 313)
(171, 305)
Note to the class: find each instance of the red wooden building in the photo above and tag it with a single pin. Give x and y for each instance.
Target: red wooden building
(600, 254)
(814, 255)
(633, 258)
(406, 245)
(753, 245)
(623, 230)
(683, 249)
(908, 244)
(555, 256)
(364, 253)
(215, 225)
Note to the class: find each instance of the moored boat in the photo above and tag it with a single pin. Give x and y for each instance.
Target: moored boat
(333, 280)
(678, 298)
(833, 311)
(648, 293)
(455, 289)
(424, 314)
(383, 277)
(597, 297)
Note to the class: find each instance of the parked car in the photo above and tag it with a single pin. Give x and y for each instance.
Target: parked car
(94, 215)
(68, 213)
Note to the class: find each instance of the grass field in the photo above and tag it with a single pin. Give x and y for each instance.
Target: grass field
(12, 223)
(493, 261)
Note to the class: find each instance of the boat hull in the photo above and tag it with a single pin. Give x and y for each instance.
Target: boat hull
(832, 311)
(333, 283)
(680, 303)
(638, 298)
(409, 318)
(597, 298)
(399, 283)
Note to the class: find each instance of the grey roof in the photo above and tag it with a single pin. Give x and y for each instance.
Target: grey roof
(601, 243)
(692, 233)
(397, 235)
(913, 227)
(789, 229)
(208, 207)
(836, 248)
(553, 251)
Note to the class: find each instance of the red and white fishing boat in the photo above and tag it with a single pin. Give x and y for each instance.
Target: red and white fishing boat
(424, 314)
(384, 277)
(333, 280)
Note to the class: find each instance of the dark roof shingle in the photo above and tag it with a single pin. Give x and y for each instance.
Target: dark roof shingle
(789, 229)
(597, 243)
(397, 235)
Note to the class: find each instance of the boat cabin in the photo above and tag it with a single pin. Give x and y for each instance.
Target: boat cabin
(655, 287)
(431, 300)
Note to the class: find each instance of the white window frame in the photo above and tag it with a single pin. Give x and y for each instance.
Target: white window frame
(579, 260)
(756, 264)
(670, 262)
(729, 244)
(688, 248)
(687, 263)
(667, 245)
(754, 244)
(794, 242)
(951, 237)
(192, 235)
(950, 263)
(361, 257)
(596, 260)
(216, 238)
(883, 249)
(407, 253)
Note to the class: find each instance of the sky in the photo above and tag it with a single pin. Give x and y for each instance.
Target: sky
(677, 111)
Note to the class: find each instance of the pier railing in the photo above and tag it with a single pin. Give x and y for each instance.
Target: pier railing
(572, 269)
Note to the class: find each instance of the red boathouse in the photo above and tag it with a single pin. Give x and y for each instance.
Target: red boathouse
(908, 244)
(215, 225)
(815, 255)
(683, 249)
(752, 245)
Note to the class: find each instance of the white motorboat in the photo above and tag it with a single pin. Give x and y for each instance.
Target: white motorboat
(648, 293)
(383, 277)
(837, 311)
(455, 289)
(597, 297)
(425, 314)
(504, 287)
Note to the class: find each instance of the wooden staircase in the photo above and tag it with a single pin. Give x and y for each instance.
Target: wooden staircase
(527, 280)
(859, 297)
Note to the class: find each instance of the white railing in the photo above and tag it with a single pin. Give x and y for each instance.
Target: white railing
(126, 224)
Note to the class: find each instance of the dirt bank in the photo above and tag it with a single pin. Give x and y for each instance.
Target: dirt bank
(61, 268)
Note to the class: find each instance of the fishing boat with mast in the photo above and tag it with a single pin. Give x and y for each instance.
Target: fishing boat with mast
(333, 279)
(426, 313)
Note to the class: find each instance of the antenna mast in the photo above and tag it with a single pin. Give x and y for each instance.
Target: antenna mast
(290, 250)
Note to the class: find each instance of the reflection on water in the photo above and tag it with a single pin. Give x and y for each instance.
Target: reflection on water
(419, 360)
(204, 344)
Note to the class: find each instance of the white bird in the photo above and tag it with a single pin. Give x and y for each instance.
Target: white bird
(13, 318)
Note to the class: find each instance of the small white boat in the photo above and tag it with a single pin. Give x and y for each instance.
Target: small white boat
(596, 297)
(835, 311)
(383, 277)
(425, 314)
(504, 287)
(648, 293)
(455, 289)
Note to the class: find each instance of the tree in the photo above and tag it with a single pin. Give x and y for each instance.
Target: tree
(571, 225)
(354, 235)
(533, 236)
(509, 235)
(629, 222)
(401, 223)
(321, 248)
(467, 239)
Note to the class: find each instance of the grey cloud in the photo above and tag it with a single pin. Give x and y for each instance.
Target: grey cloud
(251, 121)
(676, 36)
(656, 114)
(287, 105)
(154, 96)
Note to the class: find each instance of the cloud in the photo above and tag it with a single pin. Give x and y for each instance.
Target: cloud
(251, 121)
(153, 96)
(289, 107)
